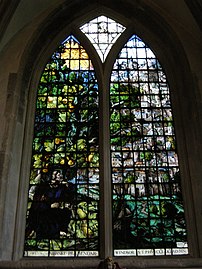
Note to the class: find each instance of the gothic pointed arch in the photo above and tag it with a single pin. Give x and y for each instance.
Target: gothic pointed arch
(63, 207)
(148, 211)
(160, 33)
(63, 200)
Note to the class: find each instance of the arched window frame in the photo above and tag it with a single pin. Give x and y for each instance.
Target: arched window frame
(102, 75)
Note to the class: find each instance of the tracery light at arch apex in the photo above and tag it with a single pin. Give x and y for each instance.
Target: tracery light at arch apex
(62, 216)
(103, 33)
(148, 213)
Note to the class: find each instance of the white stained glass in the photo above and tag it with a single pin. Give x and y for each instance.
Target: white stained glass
(103, 33)
(61, 254)
(151, 252)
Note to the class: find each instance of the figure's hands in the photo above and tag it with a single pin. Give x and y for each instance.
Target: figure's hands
(55, 205)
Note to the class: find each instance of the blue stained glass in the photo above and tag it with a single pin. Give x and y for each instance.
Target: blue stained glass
(62, 215)
(148, 213)
(63, 205)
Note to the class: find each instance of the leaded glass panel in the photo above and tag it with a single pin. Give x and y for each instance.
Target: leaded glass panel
(103, 33)
(148, 213)
(63, 206)
(62, 216)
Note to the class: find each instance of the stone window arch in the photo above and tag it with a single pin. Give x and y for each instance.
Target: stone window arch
(42, 45)
(138, 86)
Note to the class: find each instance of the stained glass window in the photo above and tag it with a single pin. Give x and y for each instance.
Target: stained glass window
(62, 217)
(103, 33)
(148, 214)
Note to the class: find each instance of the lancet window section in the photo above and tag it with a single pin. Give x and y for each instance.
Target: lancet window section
(148, 213)
(62, 216)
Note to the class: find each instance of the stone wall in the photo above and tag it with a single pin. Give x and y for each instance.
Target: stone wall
(30, 32)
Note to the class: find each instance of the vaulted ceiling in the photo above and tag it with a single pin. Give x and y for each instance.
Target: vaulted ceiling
(17, 14)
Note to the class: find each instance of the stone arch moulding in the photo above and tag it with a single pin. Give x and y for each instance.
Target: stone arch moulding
(33, 58)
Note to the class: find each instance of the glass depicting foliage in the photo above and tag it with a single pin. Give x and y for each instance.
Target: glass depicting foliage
(62, 216)
(148, 214)
(103, 33)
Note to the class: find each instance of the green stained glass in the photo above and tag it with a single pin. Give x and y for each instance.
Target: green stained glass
(148, 213)
(63, 204)
(62, 215)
